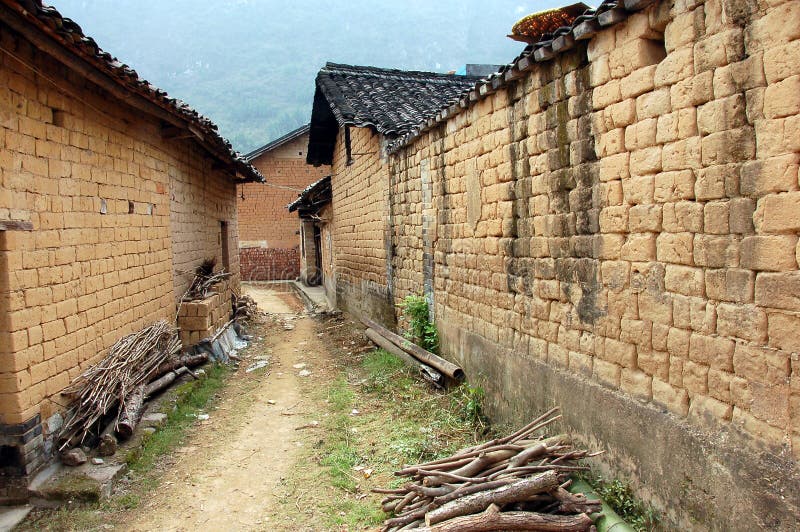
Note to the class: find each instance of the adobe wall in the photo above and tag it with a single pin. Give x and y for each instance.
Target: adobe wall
(360, 238)
(95, 180)
(617, 232)
(269, 243)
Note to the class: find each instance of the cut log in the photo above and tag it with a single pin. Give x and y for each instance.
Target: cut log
(164, 381)
(426, 357)
(130, 413)
(494, 519)
(189, 361)
(516, 491)
(426, 371)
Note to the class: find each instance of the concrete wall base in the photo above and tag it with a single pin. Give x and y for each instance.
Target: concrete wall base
(721, 481)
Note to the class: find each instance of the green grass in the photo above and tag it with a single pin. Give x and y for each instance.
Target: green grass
(620, 497)
(191, 397)
(401, 420)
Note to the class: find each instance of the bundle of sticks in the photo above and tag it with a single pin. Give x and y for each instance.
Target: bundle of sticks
(119, 379)
(204, 279)
(513, 483)
(245, 308)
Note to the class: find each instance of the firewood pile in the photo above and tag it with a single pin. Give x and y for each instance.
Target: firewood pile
(204, 279)
(513, 483)
(136, 366)
(245, 308)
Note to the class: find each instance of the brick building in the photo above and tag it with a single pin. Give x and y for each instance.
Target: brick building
(610, 223)
(110, 193)
(316, 242)
(357, 111)
(269, 244)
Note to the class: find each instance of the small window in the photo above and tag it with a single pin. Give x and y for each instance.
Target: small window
(131, 207)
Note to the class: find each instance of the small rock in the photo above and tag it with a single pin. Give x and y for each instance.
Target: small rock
(202, 417)
(154, 419)
(258, 365)
(272, 402)
(108, 445)
(73, 457)
(299, 366)
(149, 430)
(288, 326)
(97, 461)
(304, 373)
(354, 412)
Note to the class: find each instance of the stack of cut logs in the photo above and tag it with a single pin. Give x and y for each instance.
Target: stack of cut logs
(431, 367)
(246, 309)
(137, 366)
(204, 280)
(513, 483)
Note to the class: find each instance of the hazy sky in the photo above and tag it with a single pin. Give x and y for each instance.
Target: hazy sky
(250, 64)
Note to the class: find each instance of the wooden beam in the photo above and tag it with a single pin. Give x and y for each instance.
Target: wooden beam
(16, 225)
(172, 133)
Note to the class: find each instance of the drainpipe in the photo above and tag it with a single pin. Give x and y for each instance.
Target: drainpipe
(609, 521)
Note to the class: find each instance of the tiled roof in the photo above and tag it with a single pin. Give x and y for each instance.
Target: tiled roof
(67, 35)
(313, 197)
(391, 101)
(277, 143)
(584, 27)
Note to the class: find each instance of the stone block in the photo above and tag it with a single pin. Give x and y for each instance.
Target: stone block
(716, 216)
(722, 114)
(683, 216)
(769, 252)
(778, 290)
(644, 218)
(653, 104)
(781, 62)
(684, 280)
(636, 383)
(711, 351)
(676, 66)
(731, 146)
(777, 213)
(742, 321)
(762, 364)
(675, 248)
(673, 399)
(782, 98)
(709, 411)
(638, 82)
(784, 331)
(776, 174)
(730, 284)
(716, 251)
(606, 373)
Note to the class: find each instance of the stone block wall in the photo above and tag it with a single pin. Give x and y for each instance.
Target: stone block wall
(360, 237)
(269, 240)
(94, 179)
(621, 221)
(198, 320)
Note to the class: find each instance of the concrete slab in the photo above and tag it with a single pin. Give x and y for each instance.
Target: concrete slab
(11, 516)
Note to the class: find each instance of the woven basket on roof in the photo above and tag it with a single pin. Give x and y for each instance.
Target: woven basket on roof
(532, 28)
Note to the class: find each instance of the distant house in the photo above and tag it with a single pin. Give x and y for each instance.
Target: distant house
(357, 111)
(111, 195)
(316, 244)
(268, 239)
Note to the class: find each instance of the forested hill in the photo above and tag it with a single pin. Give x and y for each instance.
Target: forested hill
(249, 65)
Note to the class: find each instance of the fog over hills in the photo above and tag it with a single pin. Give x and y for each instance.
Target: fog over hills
(249, 65)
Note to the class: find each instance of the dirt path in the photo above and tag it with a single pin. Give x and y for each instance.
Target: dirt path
(227, 475)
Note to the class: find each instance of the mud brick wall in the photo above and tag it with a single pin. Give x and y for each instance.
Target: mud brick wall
(360, 237)
(268, 264)
(617, 232)
(198, 320)
(94, 178)
(268, 232)
(203, 207)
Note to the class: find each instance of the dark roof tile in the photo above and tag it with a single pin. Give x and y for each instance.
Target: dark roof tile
(394, 102)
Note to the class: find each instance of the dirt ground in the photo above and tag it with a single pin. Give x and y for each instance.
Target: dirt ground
(227, 476)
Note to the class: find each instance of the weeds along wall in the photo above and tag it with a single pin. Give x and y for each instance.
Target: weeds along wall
(617, 232)
(114, 210)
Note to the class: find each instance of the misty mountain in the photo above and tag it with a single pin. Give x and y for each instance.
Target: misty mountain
(249, 65)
